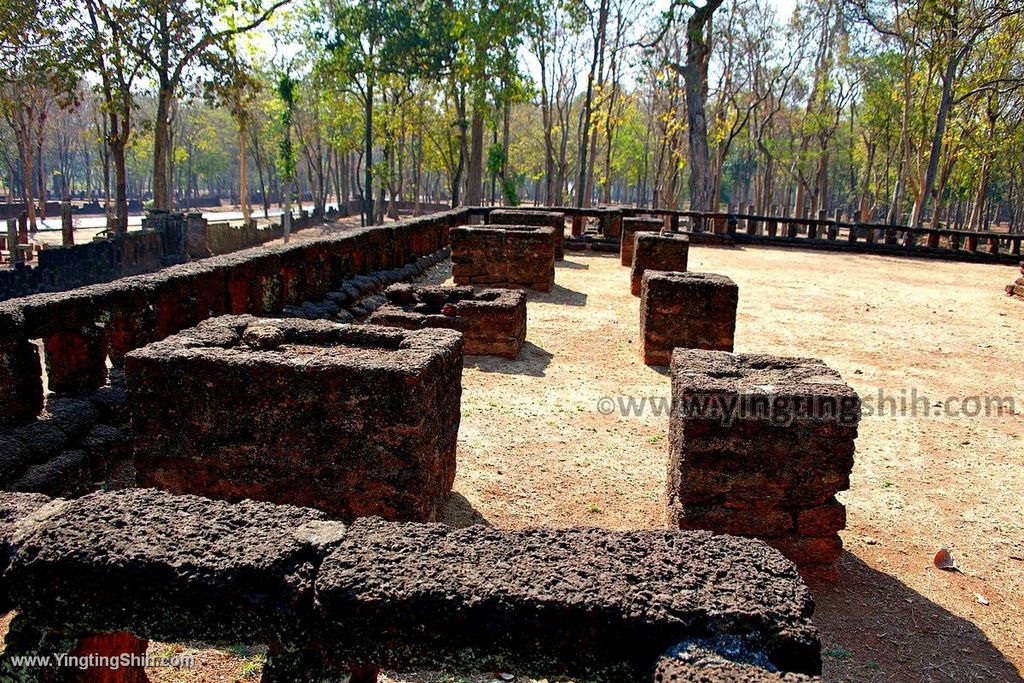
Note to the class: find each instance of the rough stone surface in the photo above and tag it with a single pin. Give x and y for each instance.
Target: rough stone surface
(67, 474)
(516, 256)
(715, 661)
(596, 604)
(759, 446)
(352, 420)
(631, 226)
(176, 568)
(21, 382)
(689, 310)
(16, 509)
(492, 321)
(1017, 288)
(549, 218)
(653, 251)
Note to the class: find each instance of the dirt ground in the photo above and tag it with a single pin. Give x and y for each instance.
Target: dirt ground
(536, 447)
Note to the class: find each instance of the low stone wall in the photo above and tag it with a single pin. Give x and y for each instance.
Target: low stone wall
(1017, 288)
(352, 420)
(46, 455)
(549, 218)
(492, 321)
(654, 251)
(760, 445)
(328, 598)
(70, 448)
(630, 227)
(688, 310)
(224, 238)
(60, 268)
(81, 328)
(518, 256)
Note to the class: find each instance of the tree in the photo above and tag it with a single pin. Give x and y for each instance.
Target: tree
(235, 87)
(37, 67)
(171, 38)
(695, 78)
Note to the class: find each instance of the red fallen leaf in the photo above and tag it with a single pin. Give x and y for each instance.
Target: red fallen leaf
(944, 561)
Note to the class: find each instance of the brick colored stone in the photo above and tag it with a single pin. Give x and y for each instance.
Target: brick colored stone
(353, 420)
(688, 310)
(759, 445)
(654, 251)
(507, 256)
(630, 226)
(550, 218)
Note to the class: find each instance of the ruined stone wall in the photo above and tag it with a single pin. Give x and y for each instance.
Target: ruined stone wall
(60, 268)
(587, 604)
(654, 251)
(492, 321)
(550, 218)
(81, 328)
(630, 227)
(517, 256)
(688, 310)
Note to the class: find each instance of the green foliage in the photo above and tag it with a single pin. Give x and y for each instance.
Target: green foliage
(286, 154)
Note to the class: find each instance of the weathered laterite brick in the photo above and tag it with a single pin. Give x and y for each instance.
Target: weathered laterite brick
(353, 420)
(688, 310)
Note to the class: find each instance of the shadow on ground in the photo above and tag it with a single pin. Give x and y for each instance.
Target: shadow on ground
(459, 512)
(532, 361)
(560, 295)
(571, 265)
(875, 628)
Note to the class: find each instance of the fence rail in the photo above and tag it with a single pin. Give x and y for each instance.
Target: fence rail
(820, 232)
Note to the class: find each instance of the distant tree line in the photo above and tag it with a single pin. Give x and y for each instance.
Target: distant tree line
(905, 111)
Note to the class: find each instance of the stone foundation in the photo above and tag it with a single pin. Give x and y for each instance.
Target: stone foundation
(653, 251)
(516, 256)
(492, 321)
(327, 598)
(548, 218)
(759, 446)
(689, 310)
(352, 420)
(1017, 288)
(631, 226)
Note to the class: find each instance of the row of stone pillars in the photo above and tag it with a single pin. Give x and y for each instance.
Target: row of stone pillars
(15, 243)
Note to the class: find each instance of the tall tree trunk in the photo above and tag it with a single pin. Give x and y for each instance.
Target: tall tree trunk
(368, 213)
(243, 176)
(695, 77)
(475, 176)
(945, 103)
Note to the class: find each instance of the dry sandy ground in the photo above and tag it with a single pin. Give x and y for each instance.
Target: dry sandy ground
(535, 449)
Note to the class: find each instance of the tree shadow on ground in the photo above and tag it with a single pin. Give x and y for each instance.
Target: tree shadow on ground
(875, 628)
(560, 295)
(532, 361)
(459, 512)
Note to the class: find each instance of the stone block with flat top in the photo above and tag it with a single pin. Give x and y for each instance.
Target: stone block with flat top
(492, 321)
(759, 447)
(688, 310)
(510, 256)
(352, 420)
(654, 251)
